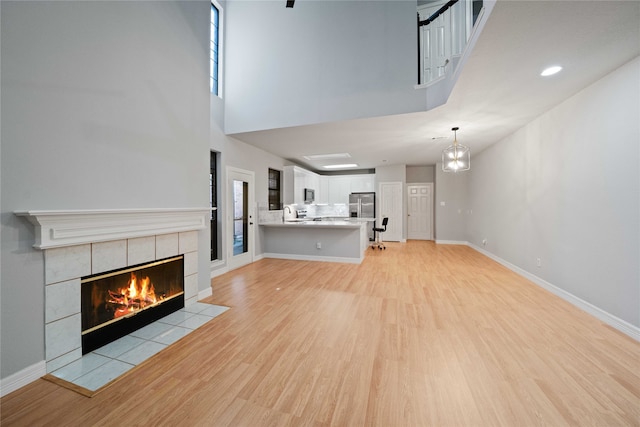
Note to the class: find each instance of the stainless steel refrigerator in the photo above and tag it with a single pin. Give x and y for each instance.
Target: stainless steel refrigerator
(363, 205)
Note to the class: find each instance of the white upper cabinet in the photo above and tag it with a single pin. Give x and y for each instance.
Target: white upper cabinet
(322, 193)
(361, 183)
(287, 185)
(328, 189)
(340, 186)
(296, 179)
(339, 189)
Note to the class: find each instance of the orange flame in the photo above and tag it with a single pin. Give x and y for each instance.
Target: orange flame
(135, 296)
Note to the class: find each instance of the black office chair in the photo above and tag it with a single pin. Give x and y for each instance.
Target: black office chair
(376, 233)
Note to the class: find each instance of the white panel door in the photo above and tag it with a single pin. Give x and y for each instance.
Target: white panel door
(427, 72)
(435, 42)
(391, 206)
(420, 212)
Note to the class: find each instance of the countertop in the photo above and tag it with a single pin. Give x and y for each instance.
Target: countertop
(310, 223)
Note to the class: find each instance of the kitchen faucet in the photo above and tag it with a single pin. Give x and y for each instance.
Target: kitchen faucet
(283, 211)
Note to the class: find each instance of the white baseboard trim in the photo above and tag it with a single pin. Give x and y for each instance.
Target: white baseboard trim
(451, 242)
(258, 257)
(608, 318)
(22, 378)
(314, 258)
(205, 293)
(219, 272)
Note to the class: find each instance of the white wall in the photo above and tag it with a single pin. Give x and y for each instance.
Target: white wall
(451, 207)
(319, 61)
(240, 155)
(393, 173)
(420, 174)
(566, 189)
(104, 105)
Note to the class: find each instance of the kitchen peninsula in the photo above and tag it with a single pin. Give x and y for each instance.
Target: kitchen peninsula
(344, 240)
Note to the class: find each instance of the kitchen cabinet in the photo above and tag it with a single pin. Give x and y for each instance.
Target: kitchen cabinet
(339, 189)
(362, 183)
(296, 179)
(333, 241)
(328, 188)
(322, 193)
(340, 186)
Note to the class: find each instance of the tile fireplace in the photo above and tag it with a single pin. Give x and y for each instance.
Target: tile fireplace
(83, 245)
(116, 303)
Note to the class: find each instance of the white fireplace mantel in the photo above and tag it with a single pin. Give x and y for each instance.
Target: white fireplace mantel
(58, 228)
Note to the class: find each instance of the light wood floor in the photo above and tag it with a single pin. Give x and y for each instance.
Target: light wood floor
(418, 335)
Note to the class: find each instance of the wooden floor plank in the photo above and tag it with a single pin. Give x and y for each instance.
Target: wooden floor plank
(417, 335)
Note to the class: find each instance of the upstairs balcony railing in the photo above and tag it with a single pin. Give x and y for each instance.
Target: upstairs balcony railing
(444, 28)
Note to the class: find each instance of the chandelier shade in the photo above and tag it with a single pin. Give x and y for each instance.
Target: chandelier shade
(456, 157)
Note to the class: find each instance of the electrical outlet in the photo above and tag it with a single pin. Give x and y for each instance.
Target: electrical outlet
(538, 262)
(484, 242)
(318, 245)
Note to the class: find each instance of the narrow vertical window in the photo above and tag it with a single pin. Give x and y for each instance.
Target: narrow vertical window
(275, 194)
(213, 201)
(214, 50)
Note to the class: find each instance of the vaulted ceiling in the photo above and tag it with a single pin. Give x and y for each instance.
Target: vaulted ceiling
(499, 90)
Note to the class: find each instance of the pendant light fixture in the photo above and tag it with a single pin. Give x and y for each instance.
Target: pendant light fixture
(456, 157)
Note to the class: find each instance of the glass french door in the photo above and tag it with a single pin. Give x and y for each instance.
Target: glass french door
(240, 237)
(240, 217)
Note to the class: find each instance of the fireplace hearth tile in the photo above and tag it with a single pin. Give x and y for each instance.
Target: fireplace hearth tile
(142, 352)
(96, 369)
(82, 366)
(176, 317)
(119, 346)
(151, 331)
(214, 310)
(172, 335)
(195, 321)
(197, 307)
(103, 375)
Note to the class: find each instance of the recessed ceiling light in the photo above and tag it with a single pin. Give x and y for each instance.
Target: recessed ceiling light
(344, 166)
(551, 71)
(327, 156)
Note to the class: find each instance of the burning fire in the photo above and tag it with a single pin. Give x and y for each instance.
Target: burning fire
(137, 295)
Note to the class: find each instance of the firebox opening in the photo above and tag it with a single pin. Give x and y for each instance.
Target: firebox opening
(118, 302)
